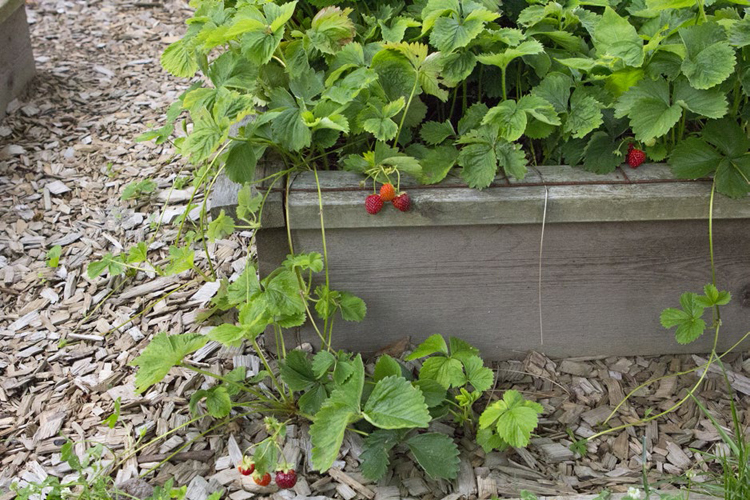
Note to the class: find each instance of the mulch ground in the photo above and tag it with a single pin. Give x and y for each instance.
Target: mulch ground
(66, 153)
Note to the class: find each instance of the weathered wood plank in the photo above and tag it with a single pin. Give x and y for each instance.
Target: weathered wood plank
(603, 284)
(16, 58)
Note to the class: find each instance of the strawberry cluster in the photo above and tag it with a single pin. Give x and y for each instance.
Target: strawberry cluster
(286, 477)
(374, 203)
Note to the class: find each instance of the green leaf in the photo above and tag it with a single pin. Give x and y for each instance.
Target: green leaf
(513, 417)
(313, 399)
(433, 344)
(53, 256)
(331, 29)
(227, 334)
(241, 161)
(710, 59)
(433, 392)
(386, 366)
(436, 453)
(265, 456)
(180, 259)
(504, 58)
(709, 103)
(508, 118)
(374, 458)
(245, 287)
(512, 158)
(713, 297)
(220, 227)
(733, 177)
(479, 164)
(352, 307)
(688, 320)
(446, 371)
(138, 253)
(601, 154)
(322, 362)
(555, 89)
(615, 36)
(282, 294)
(206, 137)
(109, 263)
(472, 118)
(649, 109)
(451, 33)
(585, 115)
(437, 163)
(178, 59)
(728, 137)
(290, 129)
(396, 404)
(693, 158)
(436, 132)
(376, 119)
(161, 354)
(329, 426)
(218, 402)
(489, 440)
(477, 374)
(297, 371)
(304, 261)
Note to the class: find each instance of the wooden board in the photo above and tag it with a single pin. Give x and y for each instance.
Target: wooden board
(16, 58)
(603, 284)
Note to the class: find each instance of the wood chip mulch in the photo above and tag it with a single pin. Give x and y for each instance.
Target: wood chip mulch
(67, 151)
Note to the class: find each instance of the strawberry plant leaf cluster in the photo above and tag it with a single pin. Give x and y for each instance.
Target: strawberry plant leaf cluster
(425, 86)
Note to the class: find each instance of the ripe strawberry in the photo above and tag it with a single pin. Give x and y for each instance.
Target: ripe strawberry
(246, 467)
(387, 192)
(262, 481)
(402, 202)
(636, 157)
(246, 471)
(286, 479)
(373, 204)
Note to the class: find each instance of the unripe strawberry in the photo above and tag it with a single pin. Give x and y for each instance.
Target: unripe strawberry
(373, 204)
(387, 192)
(262, 481)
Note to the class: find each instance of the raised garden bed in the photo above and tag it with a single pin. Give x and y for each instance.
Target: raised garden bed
(16, 59)
(467, 262)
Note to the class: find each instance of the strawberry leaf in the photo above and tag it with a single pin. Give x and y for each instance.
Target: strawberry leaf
(436, 453)
(161, 354)
(688, 320)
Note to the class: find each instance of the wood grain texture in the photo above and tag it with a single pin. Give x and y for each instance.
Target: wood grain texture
(16, 58)
(603, 284)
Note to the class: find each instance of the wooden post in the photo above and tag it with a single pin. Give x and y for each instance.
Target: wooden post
(16, 58)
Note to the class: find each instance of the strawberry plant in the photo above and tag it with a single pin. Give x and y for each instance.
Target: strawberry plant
(418, 89)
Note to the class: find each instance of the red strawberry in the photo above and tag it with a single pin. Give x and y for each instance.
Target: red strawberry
(636, 157)
(246, 467)
(246, 471)
(373, 204)
(262, 481)
(387, 192)
(286, 479)
(402, 202)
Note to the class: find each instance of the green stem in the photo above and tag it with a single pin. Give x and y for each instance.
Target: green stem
(505, 92)
(268, 369)
(240, 386)
(322, 222)
(403, 116)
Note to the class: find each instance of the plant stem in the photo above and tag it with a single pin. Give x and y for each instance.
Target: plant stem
(268, 368)
(505, 93)
(403, 116)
